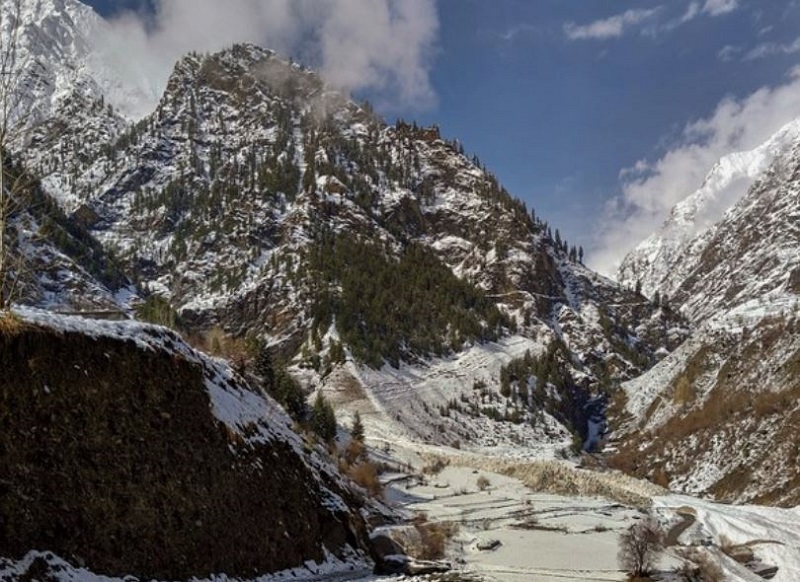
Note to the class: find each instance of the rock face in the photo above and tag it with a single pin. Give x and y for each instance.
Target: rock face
(124, 450)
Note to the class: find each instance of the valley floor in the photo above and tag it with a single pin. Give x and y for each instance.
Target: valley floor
(509, 533)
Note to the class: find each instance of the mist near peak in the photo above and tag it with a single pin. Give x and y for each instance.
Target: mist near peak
(384, 47)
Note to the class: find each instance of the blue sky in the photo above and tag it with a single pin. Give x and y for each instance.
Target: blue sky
(558, 97)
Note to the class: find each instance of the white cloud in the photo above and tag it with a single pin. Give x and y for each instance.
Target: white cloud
(720, 7)
(729, 52)
(650, 190)
(647, 21)
(612, 27)
(692, 11)
(769, 49)
(383, 45)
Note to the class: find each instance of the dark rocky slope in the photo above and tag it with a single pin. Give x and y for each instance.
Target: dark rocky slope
(112, 457)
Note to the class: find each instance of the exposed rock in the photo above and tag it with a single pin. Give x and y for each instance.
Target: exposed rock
(488, 545)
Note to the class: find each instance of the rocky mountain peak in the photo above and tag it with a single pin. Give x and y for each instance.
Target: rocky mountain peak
(662, 261)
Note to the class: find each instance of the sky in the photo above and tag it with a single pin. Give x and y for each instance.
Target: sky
(600, 114)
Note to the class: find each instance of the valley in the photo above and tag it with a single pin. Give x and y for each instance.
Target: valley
(251, 330)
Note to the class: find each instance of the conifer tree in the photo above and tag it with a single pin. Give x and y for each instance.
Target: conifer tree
(324, 419)
(357, 431)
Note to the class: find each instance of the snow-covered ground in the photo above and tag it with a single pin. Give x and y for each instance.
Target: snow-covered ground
(772, 533)
(541, 536)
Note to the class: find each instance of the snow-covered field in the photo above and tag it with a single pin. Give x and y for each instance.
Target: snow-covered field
(541, 536)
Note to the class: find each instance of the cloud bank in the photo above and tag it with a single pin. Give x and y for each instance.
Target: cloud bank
(651, 189)
(384, 46)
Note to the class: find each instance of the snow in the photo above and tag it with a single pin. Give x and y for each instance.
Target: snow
(403, 404)
(773, 533)
(507, 511)
(664, 260)
(351, 568)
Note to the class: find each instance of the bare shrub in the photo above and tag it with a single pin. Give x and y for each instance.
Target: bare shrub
(483, 483)
(699, 566)
(433, 536)
(640, 547)
(365, 474)
(435, 467)
(355, 451)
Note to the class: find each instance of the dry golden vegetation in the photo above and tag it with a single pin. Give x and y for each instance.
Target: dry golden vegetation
(563, 479)
(433, 536)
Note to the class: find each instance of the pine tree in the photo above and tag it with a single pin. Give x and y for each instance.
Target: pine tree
(324, 421)
(265, 368)
(357, 431)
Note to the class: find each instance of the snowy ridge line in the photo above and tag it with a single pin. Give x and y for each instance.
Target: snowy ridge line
(664, 259)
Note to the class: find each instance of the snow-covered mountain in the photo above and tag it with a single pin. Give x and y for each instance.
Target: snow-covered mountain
(665, 259)
(256, 199)
(718, 415)
(65, 52)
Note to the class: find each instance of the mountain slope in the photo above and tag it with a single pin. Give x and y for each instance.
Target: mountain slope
(256, 199)
(665, 259)
(718, 415)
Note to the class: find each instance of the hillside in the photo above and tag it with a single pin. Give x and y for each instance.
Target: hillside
(257, 202)
(717, 415)
(667, 258)
(122, 472)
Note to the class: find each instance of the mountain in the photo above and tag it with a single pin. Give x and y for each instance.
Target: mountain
(666, 258)
(257, 200)
(54, 262)
(718, 414)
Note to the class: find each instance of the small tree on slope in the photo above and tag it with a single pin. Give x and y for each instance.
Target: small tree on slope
(357, 432)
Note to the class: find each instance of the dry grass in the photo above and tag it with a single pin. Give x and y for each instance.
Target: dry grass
(435, 467)
(684, 392)
(10, 323)
(433, 536)
(563, 479)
